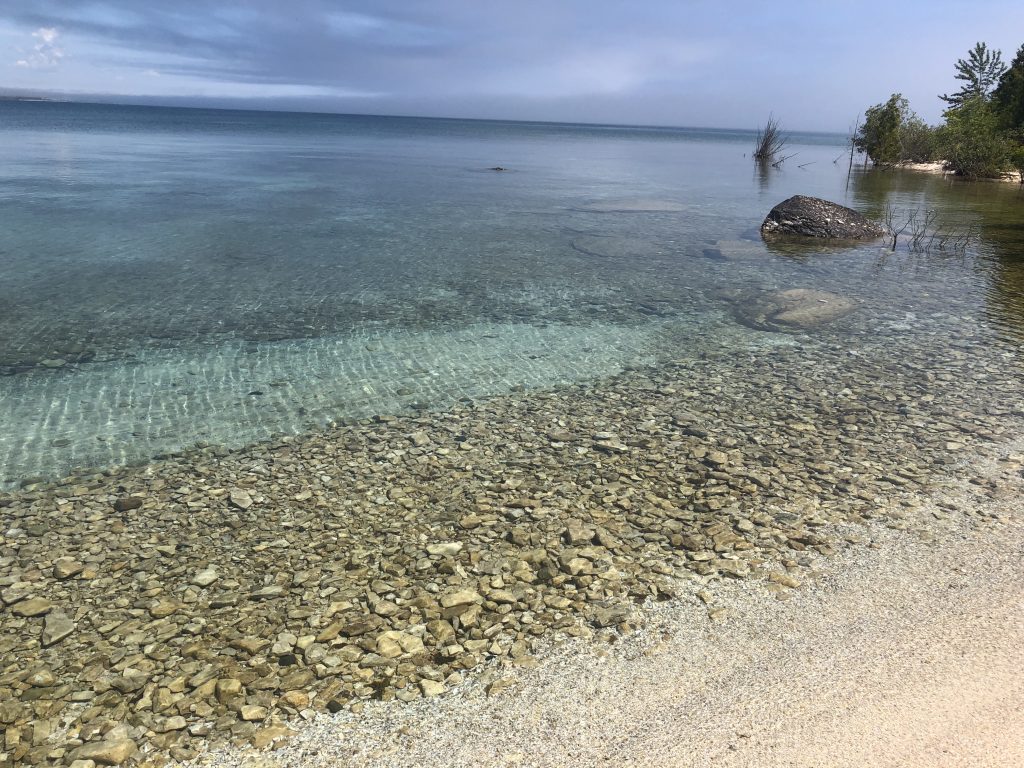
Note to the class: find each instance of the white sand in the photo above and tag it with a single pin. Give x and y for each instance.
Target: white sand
(939, 166)
(904, 653)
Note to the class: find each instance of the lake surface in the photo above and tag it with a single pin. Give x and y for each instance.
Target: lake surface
(174, 277)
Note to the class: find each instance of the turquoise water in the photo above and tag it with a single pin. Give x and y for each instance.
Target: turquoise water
(172, 276)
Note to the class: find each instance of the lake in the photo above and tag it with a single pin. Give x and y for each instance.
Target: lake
(173, 277)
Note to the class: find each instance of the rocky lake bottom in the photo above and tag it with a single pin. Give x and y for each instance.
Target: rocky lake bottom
(220, 596)
(309, 416)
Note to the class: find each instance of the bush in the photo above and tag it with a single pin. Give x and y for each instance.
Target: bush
(972, 143)
(918, 141)
(892, 134)
(1017, 160)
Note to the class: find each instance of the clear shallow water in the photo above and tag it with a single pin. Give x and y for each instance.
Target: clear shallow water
(172, 276)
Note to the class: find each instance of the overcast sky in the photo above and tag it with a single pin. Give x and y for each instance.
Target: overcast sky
(815, 63)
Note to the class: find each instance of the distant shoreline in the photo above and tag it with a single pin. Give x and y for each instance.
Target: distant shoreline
(939, 167)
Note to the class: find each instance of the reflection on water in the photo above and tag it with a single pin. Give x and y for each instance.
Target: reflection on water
(992, 212)
(170, 277)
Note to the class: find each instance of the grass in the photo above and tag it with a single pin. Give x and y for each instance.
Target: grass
(770, 142)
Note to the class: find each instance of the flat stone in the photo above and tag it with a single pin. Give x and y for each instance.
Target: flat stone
(734, 568)
(388, 646)
(445, 548)
(107, 752)
(462, 597)
(266, 593)
(164, 608)
(228, 689)
(252, 713)
(609, 616)
(577, 532)
(41, 678)
(33, 607)
(56, 627)
(716, 457)
(470, 522)
(175, 723)
(205, 577)
(240, 499)
(432, 688)
(127, 504)
(66, 567)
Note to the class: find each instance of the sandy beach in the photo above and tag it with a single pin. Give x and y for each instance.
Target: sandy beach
(939, 167)
(906, 652)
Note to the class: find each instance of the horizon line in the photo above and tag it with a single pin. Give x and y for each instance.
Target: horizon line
(133, 101)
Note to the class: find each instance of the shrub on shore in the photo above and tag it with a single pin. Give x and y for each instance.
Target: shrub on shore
(983, 132)
(892, 133)
(972, 143)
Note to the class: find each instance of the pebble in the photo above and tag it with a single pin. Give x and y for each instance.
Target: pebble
(388, 558)
(240, 499)
(205, 577)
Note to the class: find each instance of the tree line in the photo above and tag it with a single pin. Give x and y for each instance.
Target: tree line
(982, 134)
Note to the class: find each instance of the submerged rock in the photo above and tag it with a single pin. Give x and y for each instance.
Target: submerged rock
(609, 246)
(796, 309)
(642, 205)
(803, 216)
(736, 251)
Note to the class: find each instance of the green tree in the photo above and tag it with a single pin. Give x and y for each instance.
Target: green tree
(980, 72)
(1008, 97)
(972, 141)
(891, 133)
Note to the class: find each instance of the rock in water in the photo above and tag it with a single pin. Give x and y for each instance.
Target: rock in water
(798, 309)
(802, 216)
(56, 627)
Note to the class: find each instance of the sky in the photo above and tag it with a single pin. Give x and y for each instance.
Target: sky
(814, 65)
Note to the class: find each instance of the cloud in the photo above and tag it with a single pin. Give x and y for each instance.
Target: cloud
(46, 54)
(661, 61)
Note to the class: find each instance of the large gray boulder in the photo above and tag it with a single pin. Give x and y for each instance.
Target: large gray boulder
(801, 216)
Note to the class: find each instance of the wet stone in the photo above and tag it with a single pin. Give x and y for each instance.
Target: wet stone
(127, 504)
(36, 606)
(372, 564)
(56, 627)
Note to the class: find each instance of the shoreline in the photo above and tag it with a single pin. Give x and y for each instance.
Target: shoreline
(222, 596)
(939, 167)
(869, 664)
